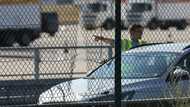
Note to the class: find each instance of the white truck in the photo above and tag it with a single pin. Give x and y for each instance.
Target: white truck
(101, 13)
(149, 13)
(159, 13)
(22, 21)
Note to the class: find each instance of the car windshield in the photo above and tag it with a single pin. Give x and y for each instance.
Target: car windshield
(141, 7)
(137, 65)
(95, 7)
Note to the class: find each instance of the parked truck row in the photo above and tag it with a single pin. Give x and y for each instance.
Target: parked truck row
(22, 21)
(152, 14)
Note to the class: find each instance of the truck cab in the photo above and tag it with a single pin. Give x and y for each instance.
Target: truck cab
(97, 14)
(101, 14)
(140, 12)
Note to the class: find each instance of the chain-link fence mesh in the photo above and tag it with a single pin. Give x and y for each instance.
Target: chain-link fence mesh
(61, 53)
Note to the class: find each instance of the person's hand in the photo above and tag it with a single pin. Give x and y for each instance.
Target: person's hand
(97, 38)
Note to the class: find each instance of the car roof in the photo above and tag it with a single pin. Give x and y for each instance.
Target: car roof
(165, 47)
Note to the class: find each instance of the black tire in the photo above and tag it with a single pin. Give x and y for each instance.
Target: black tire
(52, 34)
(152, 26)
(8, 38)
(109, 24)
(35, 35)
(25, 39)
(182, 25)
(164, 26)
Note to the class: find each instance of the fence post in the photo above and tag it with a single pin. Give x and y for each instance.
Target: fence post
(36, 62)
(118, 53)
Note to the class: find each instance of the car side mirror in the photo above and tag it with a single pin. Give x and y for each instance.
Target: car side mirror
(179, 74)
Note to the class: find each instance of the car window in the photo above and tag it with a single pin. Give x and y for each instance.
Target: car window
(141, 7)
(138, 65)
(185, 63)
(146, 65)
(96, 7)
(64, 2)
(105, 71)
(58, 2)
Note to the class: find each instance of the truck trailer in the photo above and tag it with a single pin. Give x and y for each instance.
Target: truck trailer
(22, 21)
(161, 14)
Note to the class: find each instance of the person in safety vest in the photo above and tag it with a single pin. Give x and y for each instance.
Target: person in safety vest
(136, 32)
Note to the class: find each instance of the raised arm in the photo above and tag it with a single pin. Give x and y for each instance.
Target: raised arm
(106, 40)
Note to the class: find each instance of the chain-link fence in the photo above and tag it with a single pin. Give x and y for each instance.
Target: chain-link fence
(63, 53)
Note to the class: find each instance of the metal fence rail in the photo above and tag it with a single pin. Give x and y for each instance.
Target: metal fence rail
(37, 84)
(34, 56)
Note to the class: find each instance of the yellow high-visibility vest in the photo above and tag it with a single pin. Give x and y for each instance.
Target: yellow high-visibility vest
(127, 44)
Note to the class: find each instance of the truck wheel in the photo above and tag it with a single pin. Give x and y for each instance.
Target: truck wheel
(152, 26)
(52, 33)
(109, 24)
(164, 27)
(7, 39)
(181, 26)
(34, 36)
(24, 40)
